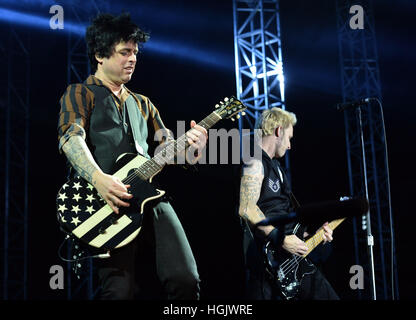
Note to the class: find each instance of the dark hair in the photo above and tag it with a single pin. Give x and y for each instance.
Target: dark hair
(106, 31)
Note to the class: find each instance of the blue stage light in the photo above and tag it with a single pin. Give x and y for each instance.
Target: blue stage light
(169, 47)
(190, 53)
(25, 19)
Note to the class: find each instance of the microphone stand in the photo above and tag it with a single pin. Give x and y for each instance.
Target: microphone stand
(370, 239)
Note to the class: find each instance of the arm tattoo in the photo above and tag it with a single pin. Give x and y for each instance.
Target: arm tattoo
(250, 188)
(80, 157)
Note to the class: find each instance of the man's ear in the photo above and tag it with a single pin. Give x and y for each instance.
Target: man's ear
(99, 59)
(278, 131)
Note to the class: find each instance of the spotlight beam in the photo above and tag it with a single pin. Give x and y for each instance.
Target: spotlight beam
(156, 44)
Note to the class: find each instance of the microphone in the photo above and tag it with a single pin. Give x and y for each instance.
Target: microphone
(279, 220)
(320, 212)
(352, 104)
(330, 210)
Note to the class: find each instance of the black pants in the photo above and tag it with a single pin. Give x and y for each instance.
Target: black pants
(316, 287)
(158, 264)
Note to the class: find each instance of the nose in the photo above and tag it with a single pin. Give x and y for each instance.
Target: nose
(133, 58)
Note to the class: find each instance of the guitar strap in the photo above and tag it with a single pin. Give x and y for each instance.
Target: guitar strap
(293, 200)
(284, 179)
(138, 126)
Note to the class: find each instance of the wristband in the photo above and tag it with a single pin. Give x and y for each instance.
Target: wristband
(276, 237)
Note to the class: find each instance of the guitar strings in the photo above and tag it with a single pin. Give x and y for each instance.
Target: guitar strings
(290, 262)
(206, 123)
(293, 264)
(297, 258)
(153, 166)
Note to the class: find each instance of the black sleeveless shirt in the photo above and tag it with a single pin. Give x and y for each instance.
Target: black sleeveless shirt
(275, 196)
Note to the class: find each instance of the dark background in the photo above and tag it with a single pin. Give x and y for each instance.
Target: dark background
(185, 78)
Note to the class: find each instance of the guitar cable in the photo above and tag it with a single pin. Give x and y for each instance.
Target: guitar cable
(100, 256)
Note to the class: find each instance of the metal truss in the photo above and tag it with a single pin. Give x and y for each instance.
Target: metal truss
(14, 146)
(368, 170)
(258, 60)
(258, 57)
(81, 286)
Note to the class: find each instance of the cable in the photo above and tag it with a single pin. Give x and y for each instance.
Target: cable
(100, 256)
(389, 200)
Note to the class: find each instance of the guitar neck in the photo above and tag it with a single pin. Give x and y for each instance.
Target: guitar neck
(182, 141)
(168, 153)
(317, 238)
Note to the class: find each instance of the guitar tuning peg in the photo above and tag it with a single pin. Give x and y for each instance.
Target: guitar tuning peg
(237, 116)
(232, 119)
(243, 113)
(225, 99)
(217, 106)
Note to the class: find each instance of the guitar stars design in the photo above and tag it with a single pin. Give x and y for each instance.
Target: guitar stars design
(77, 201)
(62, 196)
(75, 221)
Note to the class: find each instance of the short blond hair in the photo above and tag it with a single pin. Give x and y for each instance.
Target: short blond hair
(275, 117)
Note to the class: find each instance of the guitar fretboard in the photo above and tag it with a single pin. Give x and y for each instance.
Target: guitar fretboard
(154, 165)
(317, 238)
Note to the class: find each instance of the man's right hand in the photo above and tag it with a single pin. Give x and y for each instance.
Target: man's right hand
(112, 190)
(294, 245)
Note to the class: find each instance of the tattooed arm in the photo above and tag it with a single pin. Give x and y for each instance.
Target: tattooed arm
(111, 188)
(76, 107)
(251, 181)
(81, 159)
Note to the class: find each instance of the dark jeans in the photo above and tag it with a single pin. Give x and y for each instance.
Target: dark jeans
(159, 262)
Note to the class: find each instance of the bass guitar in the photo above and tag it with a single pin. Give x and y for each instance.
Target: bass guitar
(287, 270)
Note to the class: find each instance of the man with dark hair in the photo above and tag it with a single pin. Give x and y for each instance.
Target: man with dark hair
(94, 130)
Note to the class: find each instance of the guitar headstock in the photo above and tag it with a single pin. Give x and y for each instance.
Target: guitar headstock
(230, 107)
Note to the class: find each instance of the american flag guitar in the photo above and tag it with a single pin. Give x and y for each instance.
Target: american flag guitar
(83, 214)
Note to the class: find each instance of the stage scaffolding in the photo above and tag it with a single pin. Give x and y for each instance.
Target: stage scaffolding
(83, 285)
(14, 163)
(258, 59)
(360, 78)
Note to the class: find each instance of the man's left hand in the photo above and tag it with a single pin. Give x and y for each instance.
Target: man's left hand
(197, 138)
(327, 233)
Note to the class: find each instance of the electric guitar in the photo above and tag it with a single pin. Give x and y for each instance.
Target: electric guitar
(82, 213)
(287, 270)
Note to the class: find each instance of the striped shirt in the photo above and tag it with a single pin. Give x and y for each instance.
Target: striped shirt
(77, 104)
